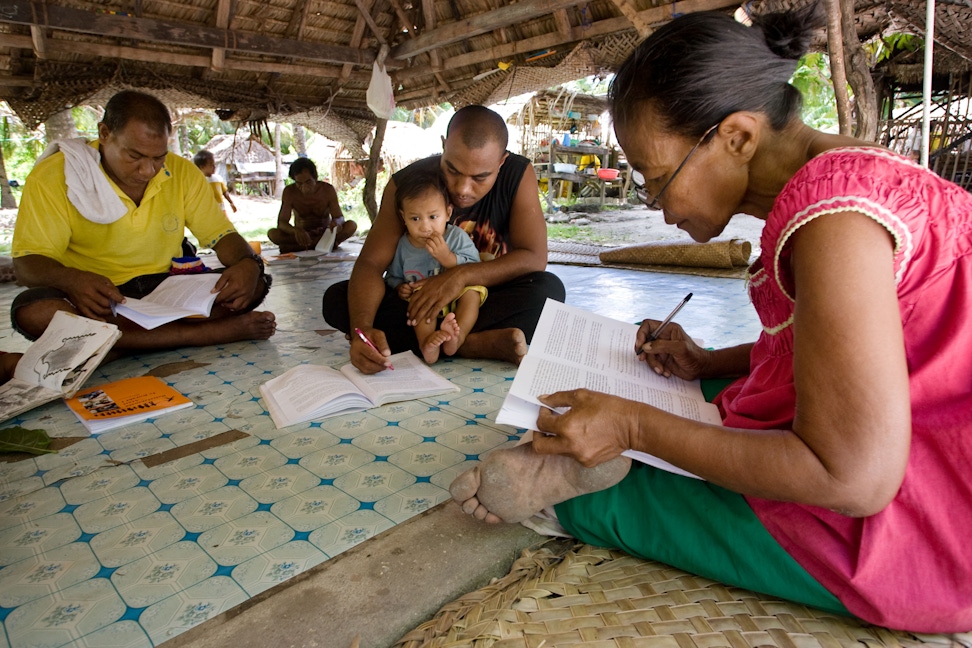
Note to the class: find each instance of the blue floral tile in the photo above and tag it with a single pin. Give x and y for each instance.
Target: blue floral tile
(276, 566)
(46, 573)
(133, 540)
(313, 508)
(349, 531)
(213, 509)
(239, 540)
(65, 616)
(163, 573)
(201, 602)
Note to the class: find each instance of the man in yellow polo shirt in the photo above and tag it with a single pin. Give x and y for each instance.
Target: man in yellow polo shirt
(79, 251)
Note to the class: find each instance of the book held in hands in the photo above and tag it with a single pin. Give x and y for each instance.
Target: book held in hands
(308, 392)
(57, 363)
(179, 296)
(124, 402)
(573, 349)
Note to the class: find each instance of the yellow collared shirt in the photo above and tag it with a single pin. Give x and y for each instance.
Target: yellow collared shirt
(143, 241)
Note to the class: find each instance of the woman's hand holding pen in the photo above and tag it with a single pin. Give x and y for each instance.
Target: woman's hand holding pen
(673, 354)
(595, 428)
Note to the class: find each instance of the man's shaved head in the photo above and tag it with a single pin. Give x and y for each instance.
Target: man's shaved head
(477, 126)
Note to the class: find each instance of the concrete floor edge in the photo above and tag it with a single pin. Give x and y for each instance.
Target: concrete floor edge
(379, 590)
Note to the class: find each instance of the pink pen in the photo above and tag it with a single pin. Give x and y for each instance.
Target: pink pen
(364, 338)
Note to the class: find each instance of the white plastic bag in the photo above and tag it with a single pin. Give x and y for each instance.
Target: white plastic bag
(381, 97)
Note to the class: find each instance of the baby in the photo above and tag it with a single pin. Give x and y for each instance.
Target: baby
(428, 245)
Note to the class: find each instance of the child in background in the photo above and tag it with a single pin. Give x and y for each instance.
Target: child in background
(207, 164)
(429, 244)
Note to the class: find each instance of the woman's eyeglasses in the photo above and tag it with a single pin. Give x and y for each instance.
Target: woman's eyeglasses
(652, 202)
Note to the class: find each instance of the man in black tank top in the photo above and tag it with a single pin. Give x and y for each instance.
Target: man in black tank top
(495, 199)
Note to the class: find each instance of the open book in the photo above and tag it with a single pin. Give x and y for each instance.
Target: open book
(127, 401)
(178, 296)
(572, 349)
(309, 392)
(57, 363)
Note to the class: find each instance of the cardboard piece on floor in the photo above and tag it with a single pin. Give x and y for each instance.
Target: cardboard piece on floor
(215, 441)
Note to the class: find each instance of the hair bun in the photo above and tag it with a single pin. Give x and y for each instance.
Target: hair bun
(788, 33)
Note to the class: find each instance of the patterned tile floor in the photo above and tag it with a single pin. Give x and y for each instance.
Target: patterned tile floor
(96, 549)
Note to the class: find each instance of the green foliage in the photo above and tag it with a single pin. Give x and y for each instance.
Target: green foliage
(18, 439)
(812, 79)
(576, 233)
(887, 46)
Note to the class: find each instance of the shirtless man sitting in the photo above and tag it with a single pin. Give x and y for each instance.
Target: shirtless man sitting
(495, 200)
(81, 260)
(314, 205)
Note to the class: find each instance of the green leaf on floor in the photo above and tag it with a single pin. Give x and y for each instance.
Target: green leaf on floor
(18, 439)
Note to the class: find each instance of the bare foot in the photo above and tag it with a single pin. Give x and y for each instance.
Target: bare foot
(450, 325)
(430, 347)
(502, 344)
(512, 484)
(255, 325)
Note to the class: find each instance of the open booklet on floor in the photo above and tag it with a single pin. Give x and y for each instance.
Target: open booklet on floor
(123, 402)
(179, 296)
(572, 349)
(57, 363)
(309, 392)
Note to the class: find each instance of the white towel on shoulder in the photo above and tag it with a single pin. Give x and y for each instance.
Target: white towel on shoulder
(87, 187)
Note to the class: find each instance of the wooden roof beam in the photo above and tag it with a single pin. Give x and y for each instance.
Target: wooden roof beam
(365, 12)
(357, 35)
(563, 22)
(223, 10)
(38, 41)
(629, 11)
(556, 39)
(22, 12)
(484, 22)
(297, 20)
(173, 58)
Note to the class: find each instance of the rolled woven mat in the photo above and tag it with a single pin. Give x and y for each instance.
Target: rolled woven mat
(577, 594)
(714, 254)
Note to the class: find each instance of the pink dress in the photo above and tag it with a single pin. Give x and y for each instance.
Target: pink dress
(909, 566)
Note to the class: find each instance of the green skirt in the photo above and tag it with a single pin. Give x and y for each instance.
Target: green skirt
(695, 526)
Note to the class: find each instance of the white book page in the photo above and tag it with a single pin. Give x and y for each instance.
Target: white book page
(60, 357)
(595, 344)
(177, 297)
(573, 348)
(326, 244)
(301, 393)
(411, 378)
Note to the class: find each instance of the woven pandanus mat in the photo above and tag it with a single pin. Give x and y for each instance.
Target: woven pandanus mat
(714, 254)
(600, 598)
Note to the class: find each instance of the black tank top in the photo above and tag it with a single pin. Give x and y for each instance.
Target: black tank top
(487, 221)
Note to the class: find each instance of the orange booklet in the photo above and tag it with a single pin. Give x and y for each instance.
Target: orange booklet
(125, 401)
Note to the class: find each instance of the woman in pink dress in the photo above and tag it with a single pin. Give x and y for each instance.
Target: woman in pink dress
(842, 474)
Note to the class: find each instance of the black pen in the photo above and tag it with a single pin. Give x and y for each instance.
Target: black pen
(654, 334)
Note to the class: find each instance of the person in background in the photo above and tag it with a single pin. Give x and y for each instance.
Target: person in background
(839, 477)
(207, 164)
(313, 205)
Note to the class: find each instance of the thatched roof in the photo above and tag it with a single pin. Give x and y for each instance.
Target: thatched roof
(232, 148)
(557, 109)
(309, 61)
